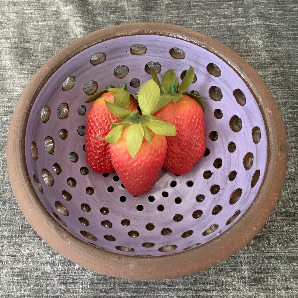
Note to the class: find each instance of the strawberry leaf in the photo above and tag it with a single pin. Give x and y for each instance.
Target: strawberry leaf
(114, 135)
(177, 97)
(187, 81)
(119, 112)
(135, 96)
(134, 139)
(196, 97)
(148, 96)
(124, 124)
(113, 89)
(168, 79)
(164, 99)
(161, 127)
(122, 98)
(95, 96)
(147, 134)
(155, 78)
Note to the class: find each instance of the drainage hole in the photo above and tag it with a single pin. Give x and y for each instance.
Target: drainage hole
(215, 93)
(84, 171)
(207, 152)
(66, 195)
(214, 70)
(152, 64)
(200, 198)
(235, 196)
(85, 207)
(61, 208)
(124, 248)
(151, 199)
(178, 200)
(232, 147)
(207, 174)
(84, 221)
(88, 235)
(197, 214)
(213, 136)
(110, 238)
(122, 199)
(133, 234)
(189, 183)
(214, 189)
(210, 230)
(81, 130)
(178, 217)
(57, 169)
(166, 232)
(232, 218)
(173, 183)
(150, 226)
(160, 208)
(121, 71)
(89, 190)
(71, 182)
(148, 244)
(97, 58)
(45, 114)
(107, 224)
(187, 234)
(116, 178)
(218, 114)
(232, 175)
(82, 110)
(110, 189)
(217, 163)
(216, 209)
(236, 123)
(125, 222)
(62, 111)
(167, 248)
(73, 157)
(140, 207)
(104, 210)
(90, 87)
(256, 135)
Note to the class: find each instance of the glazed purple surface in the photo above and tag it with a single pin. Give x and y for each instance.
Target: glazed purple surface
(117, 52)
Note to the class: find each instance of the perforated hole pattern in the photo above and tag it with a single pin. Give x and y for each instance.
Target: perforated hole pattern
(180, 212)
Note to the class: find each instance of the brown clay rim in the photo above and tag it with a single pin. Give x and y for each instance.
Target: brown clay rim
(149, 268)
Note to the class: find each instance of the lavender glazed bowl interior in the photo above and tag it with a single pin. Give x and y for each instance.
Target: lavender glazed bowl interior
(180, 213)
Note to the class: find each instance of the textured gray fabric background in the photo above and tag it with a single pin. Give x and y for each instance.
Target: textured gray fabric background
(263, 32)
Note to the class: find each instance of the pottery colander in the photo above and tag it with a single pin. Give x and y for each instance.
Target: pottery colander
(185, 223)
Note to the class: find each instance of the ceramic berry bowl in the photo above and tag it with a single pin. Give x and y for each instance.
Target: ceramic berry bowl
(186, 223)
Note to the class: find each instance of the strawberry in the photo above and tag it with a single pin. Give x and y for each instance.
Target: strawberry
(183, 110)
(138, 144)
(98, 126)
(140, 173)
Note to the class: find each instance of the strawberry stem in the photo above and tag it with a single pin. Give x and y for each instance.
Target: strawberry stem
(135, 115)
(124, 86)
(172, 88)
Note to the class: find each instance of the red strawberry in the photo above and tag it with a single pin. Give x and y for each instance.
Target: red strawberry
(138, 144)
(98, 126)
(184, 111)
(139, 173)
(189, 145)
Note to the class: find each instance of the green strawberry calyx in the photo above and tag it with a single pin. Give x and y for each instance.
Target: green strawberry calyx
(139, 125)
(171, 90)
(121, 96)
